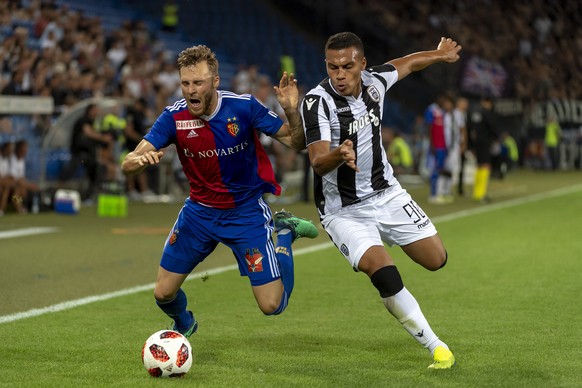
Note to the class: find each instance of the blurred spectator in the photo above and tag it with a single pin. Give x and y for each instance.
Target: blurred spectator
(170, 16)
(420, 146)
(136, 128)
(460, 122)
(534, 155)
(509, 150)
(552, 140)
(84, 150)
(483, 128)
(117, 53)
(19, 84)
(24, 190)
(246, 79)
(113, 125)
(6, 179)
(398, 151)
(569, 147)
(168, 79)
(434, 118)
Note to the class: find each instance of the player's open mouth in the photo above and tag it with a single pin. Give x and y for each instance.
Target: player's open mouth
(195, 103)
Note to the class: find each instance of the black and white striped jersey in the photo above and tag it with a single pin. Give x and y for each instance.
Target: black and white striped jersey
(327, 116)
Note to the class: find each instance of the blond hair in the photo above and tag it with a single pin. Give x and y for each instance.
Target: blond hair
(196, 54)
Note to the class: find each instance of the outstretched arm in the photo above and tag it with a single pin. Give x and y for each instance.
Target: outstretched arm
(137, 160)
(446, 51)
(291, 133)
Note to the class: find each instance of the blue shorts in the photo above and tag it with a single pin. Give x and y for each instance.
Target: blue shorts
(246, 230)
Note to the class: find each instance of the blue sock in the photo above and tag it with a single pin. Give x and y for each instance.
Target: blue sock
(434, 177)
(176, 309)
(285, 258)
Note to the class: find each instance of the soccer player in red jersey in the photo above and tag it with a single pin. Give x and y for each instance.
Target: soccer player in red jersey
(216, 135)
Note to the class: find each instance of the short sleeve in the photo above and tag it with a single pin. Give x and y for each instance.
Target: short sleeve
(316, 122)
(163, 132)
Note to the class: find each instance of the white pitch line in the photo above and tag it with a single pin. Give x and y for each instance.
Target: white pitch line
(27, 232)
(133, 290)
(509, 203)
(147, 287)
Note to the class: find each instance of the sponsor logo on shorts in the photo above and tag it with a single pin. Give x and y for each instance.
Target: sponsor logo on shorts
(344, 249)
(254, 260)
(424, 224)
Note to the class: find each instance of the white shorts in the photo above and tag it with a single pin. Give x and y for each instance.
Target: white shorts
(391, 217)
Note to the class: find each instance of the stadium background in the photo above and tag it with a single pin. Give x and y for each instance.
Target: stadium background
(76, 301)
(521, 53)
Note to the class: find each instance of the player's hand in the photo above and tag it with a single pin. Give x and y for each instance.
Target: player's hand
(150, 158)
(449, 49)
(287, 92)
(348, 154)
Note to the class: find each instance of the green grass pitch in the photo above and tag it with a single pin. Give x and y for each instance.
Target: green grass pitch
(507, 303)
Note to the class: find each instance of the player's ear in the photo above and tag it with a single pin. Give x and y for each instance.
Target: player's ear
(216, 81)
(364, 63)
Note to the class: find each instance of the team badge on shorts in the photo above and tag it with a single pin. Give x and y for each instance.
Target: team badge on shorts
(173, 237)
(232, 126)
(344, 249)
(254, 260)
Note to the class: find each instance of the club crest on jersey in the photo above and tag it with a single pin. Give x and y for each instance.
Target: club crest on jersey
(173, 237)
(373, 93)
(254, 260)
(232, 126)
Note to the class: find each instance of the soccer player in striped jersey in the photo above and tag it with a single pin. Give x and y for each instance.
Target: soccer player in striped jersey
(215, 134)
(360, 202)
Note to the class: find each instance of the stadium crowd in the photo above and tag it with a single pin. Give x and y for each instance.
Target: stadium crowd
(537, 41)
(51, 50)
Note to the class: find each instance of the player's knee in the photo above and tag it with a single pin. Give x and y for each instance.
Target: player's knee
(268, 308)
(275, 307)
(387, 281)
(162, 295)
(440, 261)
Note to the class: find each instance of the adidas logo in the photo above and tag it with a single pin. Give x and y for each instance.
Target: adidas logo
(192, 133)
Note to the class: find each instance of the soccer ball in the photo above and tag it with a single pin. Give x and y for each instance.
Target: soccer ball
(167, 353)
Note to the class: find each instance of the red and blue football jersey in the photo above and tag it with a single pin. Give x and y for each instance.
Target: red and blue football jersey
(435, 117)
(221, 154)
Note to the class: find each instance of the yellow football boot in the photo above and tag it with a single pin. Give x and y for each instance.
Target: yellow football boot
(443, 358)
